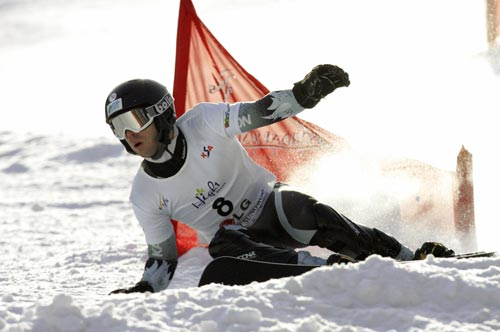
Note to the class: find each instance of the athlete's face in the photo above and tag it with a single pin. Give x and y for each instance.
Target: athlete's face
(144, 143)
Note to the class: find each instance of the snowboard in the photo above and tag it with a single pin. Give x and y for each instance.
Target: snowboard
(236, 271)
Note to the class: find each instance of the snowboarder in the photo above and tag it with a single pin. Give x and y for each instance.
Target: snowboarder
(196, 171)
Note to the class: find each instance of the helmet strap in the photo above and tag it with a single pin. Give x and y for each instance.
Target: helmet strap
(163, 153)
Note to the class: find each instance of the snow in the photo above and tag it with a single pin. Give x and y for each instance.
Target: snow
(69, 237)
(70, 241)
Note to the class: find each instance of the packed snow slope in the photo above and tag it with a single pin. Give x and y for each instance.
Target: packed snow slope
(69, 238)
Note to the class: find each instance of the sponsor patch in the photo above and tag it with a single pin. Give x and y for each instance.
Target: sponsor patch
(114, 106)
(112, 97)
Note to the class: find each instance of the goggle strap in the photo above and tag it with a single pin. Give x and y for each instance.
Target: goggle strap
(144, 115)
(151, 111)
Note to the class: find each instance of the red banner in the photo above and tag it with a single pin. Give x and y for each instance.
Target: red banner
(206, 72)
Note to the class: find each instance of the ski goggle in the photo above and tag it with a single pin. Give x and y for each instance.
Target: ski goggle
(138, 119)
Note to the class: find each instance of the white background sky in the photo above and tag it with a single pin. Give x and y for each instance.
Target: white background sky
(422, 84)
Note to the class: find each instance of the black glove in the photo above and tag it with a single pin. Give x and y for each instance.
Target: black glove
(320, 82)
(339, 259)
(140, 287)
(433, 248)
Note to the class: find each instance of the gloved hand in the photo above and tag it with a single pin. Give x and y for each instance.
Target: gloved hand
(339, 259)
(156, 277)
(433, 248)
(321, 81)
(140, 287)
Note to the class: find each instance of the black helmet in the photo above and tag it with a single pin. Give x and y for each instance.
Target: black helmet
(133, 105)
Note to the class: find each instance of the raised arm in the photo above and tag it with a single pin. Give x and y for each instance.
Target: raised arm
(279, 105)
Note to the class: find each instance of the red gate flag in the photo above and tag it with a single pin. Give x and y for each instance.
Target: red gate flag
(206, 72)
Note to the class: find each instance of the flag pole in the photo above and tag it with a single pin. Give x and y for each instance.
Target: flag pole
(464, 201)
(184, 27)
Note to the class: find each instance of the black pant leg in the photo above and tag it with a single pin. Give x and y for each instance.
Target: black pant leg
(338, 233)
(238, 243)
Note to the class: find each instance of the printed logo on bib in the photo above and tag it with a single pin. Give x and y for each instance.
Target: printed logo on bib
(206, 151)
(255, 211)
(225, 207)
(203, 195)
(163, 203)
